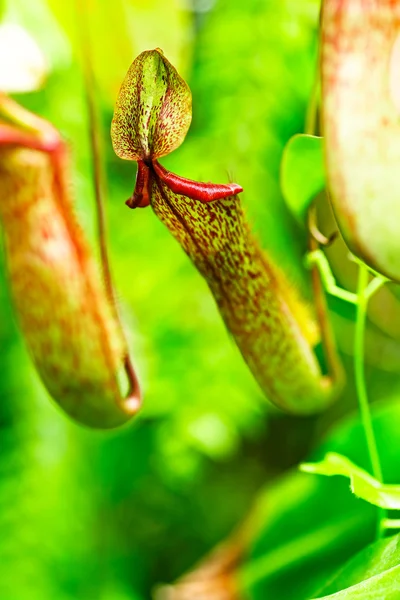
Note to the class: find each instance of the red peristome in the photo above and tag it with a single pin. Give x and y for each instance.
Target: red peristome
(141, 194)
(196, 190)
(10, 136)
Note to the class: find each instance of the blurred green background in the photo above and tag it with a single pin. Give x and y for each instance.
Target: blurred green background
(86, 515)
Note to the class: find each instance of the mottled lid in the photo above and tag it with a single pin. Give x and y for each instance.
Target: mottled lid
(153, 109)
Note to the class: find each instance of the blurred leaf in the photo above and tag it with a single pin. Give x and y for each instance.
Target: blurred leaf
(374, 573)
(129, 27)
(363, 484)
(302, 173)
(212, 435)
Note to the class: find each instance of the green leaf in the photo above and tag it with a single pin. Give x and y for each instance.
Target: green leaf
(302, 173)
(305, 527)
(362, 483)
(372, 574)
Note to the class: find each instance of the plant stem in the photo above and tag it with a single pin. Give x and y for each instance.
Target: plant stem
(360, 383)
(99, 184)
(391, 523)
(311, 120)
(334, 366)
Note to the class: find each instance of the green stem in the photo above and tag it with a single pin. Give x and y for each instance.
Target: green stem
(311, 124)
(391, 523)
(359, 372)
(334, 366)
(318, 258)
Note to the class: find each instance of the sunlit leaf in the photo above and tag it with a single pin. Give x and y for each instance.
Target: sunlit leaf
(302, 173)
(372, 574)
(304, 532)
(362, 483)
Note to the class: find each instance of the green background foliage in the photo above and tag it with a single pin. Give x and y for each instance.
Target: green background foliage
(109, 516)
